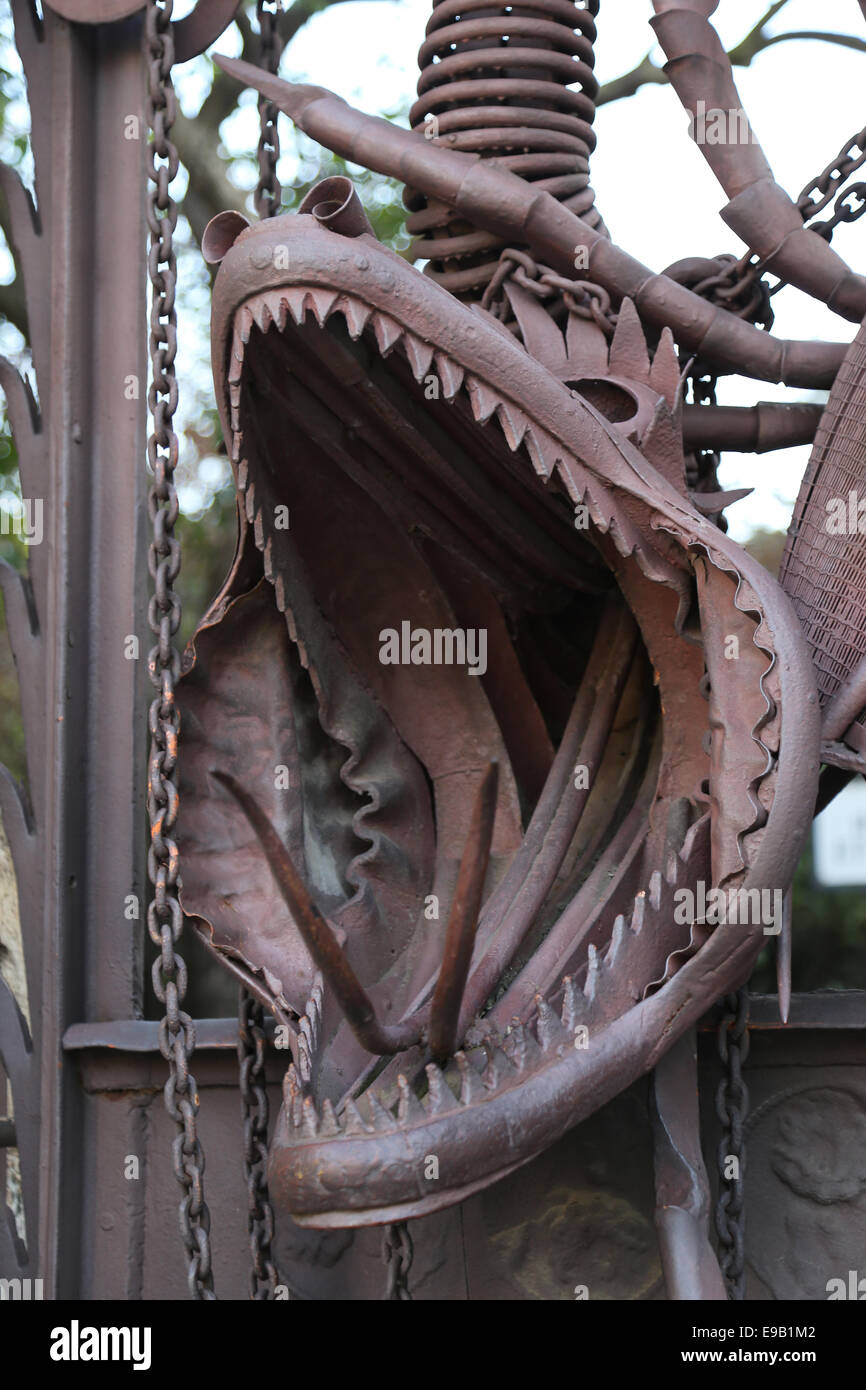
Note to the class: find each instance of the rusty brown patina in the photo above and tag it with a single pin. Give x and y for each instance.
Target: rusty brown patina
(498, 445)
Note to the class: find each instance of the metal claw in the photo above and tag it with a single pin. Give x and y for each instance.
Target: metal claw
(319, 938)
(463, 919)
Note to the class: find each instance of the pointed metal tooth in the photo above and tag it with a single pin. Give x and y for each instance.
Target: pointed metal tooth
(268, 557)
(382, 1119)
(498, 1069)
(305, 1059)
(292, 1088)
(237, 438)
(418, 354)
(620, 927)
(665, 370)
(329, 1126)
(628, 352)
(654, 891)
(590, 986)
(278, 308)
(521, 1046)
(322, 301)
(514, 424)
(353, 1120)
(261, 312)
(543, 450)
(388, 333)
(450, 374)
(571, 1003)
(482, 398)
(639, 912)
(356, 314)
(235, 394)
(243, 474)
(409, 1107)
(295, 297)
(237, 362)
(471, 1086)
(440, 1097)
(310, 1121)
(244, 322)
(549, 1029)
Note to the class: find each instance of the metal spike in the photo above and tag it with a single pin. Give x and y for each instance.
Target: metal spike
(463, 919)
(305, 1059)
(665, 370)
(380, 1118)
(450, 374)
(639, 911)
(543, 450)
(549, 1028)
(591, 983)
(471, 1086)
(482, 398)
(310, 1120)
(353, 1120)
(279, 308)
(571, 1003)
(292, 1087)
(419, 355)
(628, 352)
(440, 1097)
(295, 297)
(329, 1126)
(409, 1107)
(261, 311)
(514, 424)
(322, 301)
(388, 333)
(244, 322)
(654, 891)
(356, 314)
(618, 936)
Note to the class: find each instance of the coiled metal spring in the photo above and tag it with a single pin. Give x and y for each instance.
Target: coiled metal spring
(497, 81)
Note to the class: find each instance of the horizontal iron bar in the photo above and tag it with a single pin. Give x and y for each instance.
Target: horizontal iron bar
(842, 1008)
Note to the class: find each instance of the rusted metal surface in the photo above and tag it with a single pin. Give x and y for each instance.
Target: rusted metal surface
(515, 1085)
(192, 34)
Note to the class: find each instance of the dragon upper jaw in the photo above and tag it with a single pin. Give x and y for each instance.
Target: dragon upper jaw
(637, 995)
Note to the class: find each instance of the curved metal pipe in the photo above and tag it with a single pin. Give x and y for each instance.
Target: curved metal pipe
(760, 211)
(503, 203)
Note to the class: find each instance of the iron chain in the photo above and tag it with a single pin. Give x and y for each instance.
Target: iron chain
(251, 1013)
(254, 1107)
(823, 189)
(397, 1252)
(268, 194)
(164, 920)
(732, 1106)
(581, 297)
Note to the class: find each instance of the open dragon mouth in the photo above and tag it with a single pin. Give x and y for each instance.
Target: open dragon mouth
(483, 710)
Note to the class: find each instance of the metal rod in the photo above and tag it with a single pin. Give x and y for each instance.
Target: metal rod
(319, 937)
(463, 919)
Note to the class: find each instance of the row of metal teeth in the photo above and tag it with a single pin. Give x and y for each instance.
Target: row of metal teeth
(499, 1062)
(274, 308)
(470, 1078)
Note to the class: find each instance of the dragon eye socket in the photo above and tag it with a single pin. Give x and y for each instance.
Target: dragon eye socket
(615, 403)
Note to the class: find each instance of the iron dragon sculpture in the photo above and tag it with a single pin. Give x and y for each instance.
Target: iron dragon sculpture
(457, 889)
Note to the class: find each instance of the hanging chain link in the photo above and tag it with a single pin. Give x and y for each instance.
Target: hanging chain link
(397, 1253)
(581, 297)
(251, 1013)
(732, 1106)
(254, 1107)
(268, 194)
(164, 920)
(823, 189)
